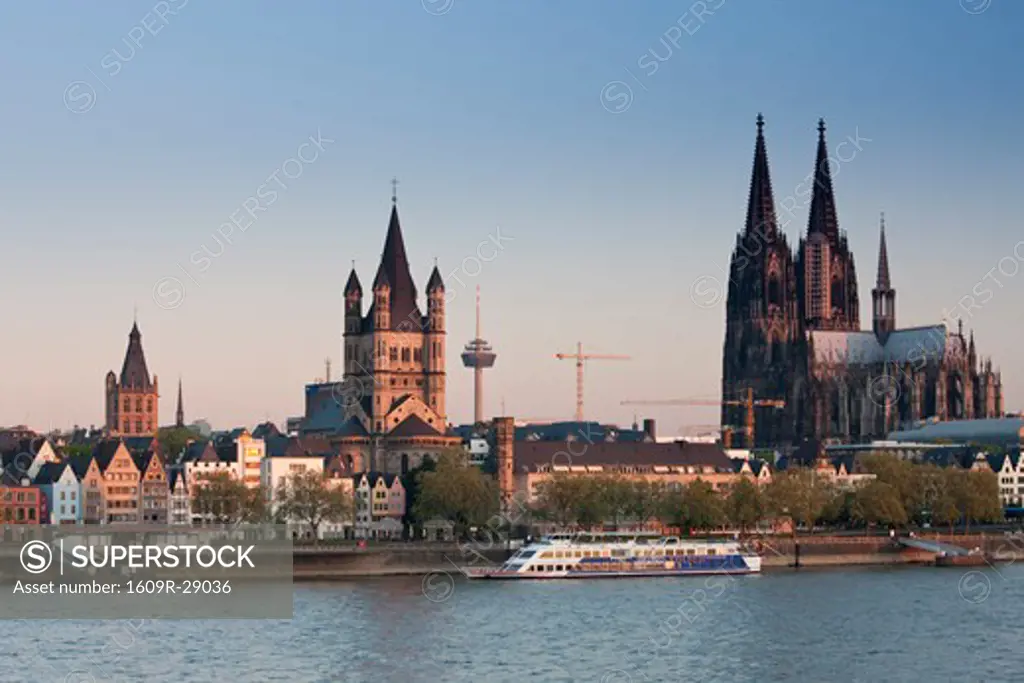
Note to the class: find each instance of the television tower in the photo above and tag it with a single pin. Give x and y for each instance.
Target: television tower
(479, 356)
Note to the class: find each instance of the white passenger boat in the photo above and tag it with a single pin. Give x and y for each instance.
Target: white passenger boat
(599, 555)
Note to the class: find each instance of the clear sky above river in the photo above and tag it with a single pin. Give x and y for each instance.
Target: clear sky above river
(124, 151)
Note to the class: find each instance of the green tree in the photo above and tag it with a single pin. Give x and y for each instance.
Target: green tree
(617, 493)
(745, 505)
(411, 483)
(671, 510)
(980, 498)
(173, 441)
(219, 498)
(877, 502)
(556, 499)
(702, 506)
(309, 498)
(457, 492)
(799, 494)
(944, 497)
(591, 504)
(644, 500)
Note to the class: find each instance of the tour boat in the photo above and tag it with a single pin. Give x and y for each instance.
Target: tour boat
(585, 556)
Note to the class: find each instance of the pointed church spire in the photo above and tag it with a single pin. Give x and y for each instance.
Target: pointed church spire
(179, 414)
(353, 286)
(761, 204)
(394, 270)
(134, 372)
(883, 258)
(822, 217)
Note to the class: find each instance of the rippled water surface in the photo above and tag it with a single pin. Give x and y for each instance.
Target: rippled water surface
(922, 624)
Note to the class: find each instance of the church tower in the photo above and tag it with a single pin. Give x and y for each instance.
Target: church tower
(883, 296)
(827, 280)
(394, 352)
(762, 328)
(132, 399)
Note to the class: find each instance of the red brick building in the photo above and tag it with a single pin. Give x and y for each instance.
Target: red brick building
(22, 505)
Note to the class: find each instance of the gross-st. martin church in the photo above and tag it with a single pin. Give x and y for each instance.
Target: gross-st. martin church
(793, 333)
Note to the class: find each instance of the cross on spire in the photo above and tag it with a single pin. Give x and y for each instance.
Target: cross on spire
(394, 191)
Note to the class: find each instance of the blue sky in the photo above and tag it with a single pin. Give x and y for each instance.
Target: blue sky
(125, 151)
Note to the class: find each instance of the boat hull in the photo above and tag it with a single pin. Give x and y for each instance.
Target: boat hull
(501, 575)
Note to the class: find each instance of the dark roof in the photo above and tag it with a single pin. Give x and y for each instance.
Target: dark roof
(17, 447)
(317, 446)
(104, 451)
(80, 464)
(533, 454)
(822, 215)
(394, 271)
(353, 286)
(276, 445)
(265, 429)
(579, 431)
(807, 453)
(176, 475)
(353, 427)
(227, 451)
(134, 373)
(50, 472)
(138, 444)
(435, 282)
(141, 460)
(200, 451)
(413, 426)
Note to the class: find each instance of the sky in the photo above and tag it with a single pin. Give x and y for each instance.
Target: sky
(605, 147)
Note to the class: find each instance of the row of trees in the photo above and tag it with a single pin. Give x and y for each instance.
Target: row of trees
(901, 493)
(304, 497)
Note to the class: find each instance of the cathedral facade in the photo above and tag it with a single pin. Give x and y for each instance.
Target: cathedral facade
(793, 334)
(388, 412)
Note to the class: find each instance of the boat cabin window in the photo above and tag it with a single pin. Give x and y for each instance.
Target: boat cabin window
(618, 552)
(711, 551)
(691, 551)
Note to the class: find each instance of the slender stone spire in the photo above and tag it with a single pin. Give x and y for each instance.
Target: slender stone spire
(179, 414)
(822, 217)
(761, 204)
(883, 259)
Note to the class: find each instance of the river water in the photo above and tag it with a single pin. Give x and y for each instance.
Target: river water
(906, 624)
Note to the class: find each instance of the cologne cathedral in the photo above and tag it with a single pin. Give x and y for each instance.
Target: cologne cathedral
(793, 337)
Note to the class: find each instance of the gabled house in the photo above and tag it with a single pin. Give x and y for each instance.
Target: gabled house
(179, 508)
(63, 492)
(153, 492)
(757, 470)
(92, 487)
(121, 486)
(1009, 470)
(379, 505)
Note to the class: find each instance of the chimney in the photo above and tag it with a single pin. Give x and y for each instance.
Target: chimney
(504, 445)
(649, 429)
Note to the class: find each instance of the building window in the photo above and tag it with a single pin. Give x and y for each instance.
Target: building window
(417, 355)
(405, 355)
(138, 405)
(127, 405)
(138, 426)
(149, 405)
(393, 353)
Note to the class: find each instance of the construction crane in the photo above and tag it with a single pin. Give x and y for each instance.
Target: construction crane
(748, 401)
(580, 357)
